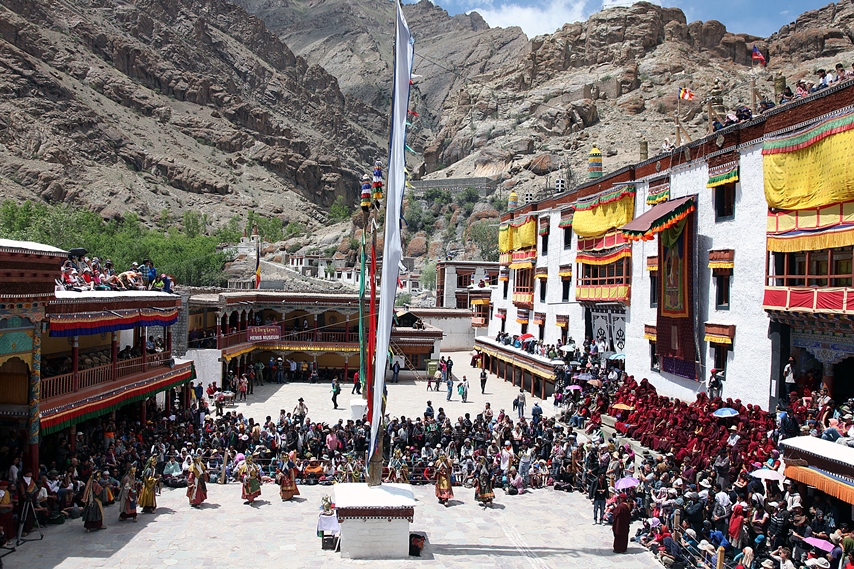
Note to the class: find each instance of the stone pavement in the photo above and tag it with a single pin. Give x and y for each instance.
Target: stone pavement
(407, 398)
(542, 529)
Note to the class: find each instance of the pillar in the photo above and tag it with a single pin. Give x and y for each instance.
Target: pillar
(75, 363)
(167, 331)
(827, 377)
(315, 326)
(226, 319)
(34, 398)
(346, 369)
(72, 438)
(114, 355)
(144, 331)
(218, 325)
(346, 329)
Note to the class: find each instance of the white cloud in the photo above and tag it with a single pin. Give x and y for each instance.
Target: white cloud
(535, 19)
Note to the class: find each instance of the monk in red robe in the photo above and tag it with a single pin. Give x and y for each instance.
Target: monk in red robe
(622, 519)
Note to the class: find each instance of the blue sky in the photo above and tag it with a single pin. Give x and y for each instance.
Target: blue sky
(757, 17)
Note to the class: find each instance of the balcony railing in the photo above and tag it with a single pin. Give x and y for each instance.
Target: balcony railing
(604, 293)
(232, 339)
(129, 367)
(57, 385)
(65, 383)
(832, 300)
(479, 321)
(94, 376)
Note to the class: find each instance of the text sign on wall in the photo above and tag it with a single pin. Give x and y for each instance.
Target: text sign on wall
(263, 333)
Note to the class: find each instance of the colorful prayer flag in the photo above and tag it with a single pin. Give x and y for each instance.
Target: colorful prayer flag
(756, 55)
(258, 262)
(686, 94)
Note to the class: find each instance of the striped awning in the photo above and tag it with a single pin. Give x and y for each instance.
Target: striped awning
(89, 323)
(542, 273)
(562, 320)
(723, 174)
(658, 192)
(522, 316)
(719, 333)
(566, 218)
(539, 318)
(602, 242)
(604, 257)
(480, 301)
(565, 271)
(652, 263)
(650, 332)
(715, 339)
(544, 225)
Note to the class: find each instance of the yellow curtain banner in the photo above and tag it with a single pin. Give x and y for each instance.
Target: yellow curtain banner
(526, 234)
(815, 176)
(598, 220)
(505, 238)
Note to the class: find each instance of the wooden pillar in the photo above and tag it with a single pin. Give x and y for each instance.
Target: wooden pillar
(114, 355)
(75, 363)
(218, 325)
(167, 332)
(315, 326)
(827, 377)
(347, 328)
(346, 369)
(542, 388)
(34, 399)
(72, 437)
(143, 329)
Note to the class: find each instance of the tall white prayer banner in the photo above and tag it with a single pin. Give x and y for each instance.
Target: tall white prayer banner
(392, 253)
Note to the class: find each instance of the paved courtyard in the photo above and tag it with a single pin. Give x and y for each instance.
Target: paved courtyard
(541, 529)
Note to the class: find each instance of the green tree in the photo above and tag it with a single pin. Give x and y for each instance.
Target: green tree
(484, 234)
(194, 224)
(339, 210)
(428, 276)
(403, 298)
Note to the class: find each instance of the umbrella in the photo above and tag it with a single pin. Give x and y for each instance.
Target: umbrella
(584, 377)
(627, 482)
(822, 544)
(573, 387)
(767, 474)
(617, 357)
(594, 383)
(624, 407)
(77, 252)
(524, 337)
(725, 412)
(566, 348)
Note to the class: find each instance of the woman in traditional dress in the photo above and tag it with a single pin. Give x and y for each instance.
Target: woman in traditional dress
(285, 477)
(127, 496)
(149, 480)
(397, 470)
(251, 479)
(444, 490)
(197, 490)
(483, 492)
(93, 510)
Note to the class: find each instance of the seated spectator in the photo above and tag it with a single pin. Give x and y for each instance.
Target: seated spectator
(787, 95)
(823, 80)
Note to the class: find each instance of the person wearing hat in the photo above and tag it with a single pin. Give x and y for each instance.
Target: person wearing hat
(622, 518)
(300, 411)
(93, 511)
(789, 376)
(127, 495)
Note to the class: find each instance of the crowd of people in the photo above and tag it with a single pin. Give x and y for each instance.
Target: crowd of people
(692, 488)
(79, 273)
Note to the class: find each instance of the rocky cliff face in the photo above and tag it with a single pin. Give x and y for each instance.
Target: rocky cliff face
(612, 81)
(171, 104)
(353, 41)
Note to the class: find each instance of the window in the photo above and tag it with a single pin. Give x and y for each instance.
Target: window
(493, 279)
(503, 324)
(542, 334)
(722, 292)
(725, 202)
(463, 280)
(653, 289)
(524, 329)
(567, 237)
(653, 358)
(826, 267)
(721, 353)
(523, 284)
(564, 297)
(616, 273)
(506, 289)
(544, 243)
(543, 289)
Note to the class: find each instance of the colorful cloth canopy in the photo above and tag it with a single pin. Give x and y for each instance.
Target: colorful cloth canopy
(810, 167)
(723, 174)
(659, 218)
(811, 229)
(604, 211)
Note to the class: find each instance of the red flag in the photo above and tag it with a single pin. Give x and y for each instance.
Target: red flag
(756, 55)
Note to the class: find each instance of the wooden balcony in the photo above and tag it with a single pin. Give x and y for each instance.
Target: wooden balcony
(479, 321)
(812, 299)
(66, 383)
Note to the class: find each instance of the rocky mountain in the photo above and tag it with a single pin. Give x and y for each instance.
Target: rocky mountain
(353, 41)
(146, 105)
(613, 81)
